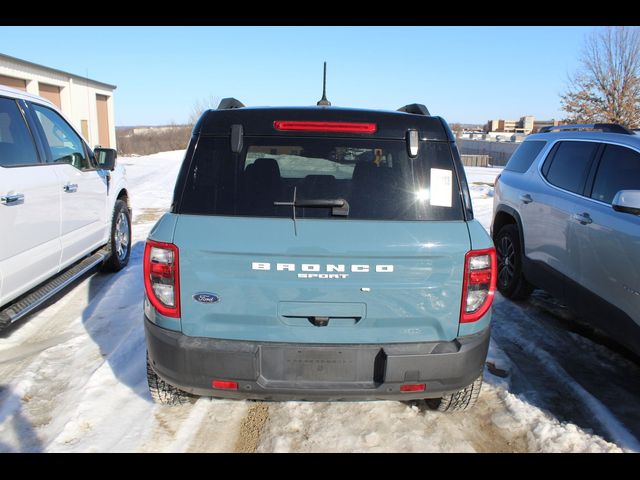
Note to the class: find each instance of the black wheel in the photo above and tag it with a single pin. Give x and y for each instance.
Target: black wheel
(458, 401)
(120, 239)
(162, 392)
(511, 281)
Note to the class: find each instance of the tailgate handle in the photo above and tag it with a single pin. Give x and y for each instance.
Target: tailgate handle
(319, 321)
(323, 321)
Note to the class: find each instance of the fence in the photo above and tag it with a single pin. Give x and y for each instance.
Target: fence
(476, 160)
(499, 153)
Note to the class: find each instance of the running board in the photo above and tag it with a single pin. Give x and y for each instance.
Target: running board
(15, 311)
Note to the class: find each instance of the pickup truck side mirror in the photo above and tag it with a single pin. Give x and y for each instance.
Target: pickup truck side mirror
(627, 201)
(106, 158)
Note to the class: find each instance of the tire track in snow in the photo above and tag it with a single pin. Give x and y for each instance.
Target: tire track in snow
(531, 357)
(219, 426)
(251, 428)
(483, 432)
(388, 426)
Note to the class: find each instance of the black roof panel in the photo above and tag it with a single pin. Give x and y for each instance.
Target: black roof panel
(259, 121)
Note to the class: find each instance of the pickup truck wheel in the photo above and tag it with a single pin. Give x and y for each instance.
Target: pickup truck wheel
(511, 281)
(162, 392)
(458, 401)
(120, 239)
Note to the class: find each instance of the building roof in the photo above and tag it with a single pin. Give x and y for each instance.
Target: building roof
(55, 70)
(15, 93)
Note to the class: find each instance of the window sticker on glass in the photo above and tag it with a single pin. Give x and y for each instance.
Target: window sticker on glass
(441, 187)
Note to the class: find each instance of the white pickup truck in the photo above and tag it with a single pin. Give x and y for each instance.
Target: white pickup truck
(64, 208)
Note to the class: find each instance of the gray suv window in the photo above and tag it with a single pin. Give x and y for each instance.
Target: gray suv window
(16, 143)
(524, 156)
(568, 167)
(619, 169)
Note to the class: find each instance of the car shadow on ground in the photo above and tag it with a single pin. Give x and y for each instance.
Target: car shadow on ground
(14, 423)
(567, 371)
(113, 318)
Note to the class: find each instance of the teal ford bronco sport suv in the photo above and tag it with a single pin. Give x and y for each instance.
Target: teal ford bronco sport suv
(319, 253)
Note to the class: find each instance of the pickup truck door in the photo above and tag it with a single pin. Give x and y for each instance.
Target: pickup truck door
(83, 187)
(29, 208)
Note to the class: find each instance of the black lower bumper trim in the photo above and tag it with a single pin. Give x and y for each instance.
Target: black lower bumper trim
(285, 371)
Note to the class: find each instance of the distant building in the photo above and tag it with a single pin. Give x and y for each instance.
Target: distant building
(87, 103)
(524, 126)
(538, 124)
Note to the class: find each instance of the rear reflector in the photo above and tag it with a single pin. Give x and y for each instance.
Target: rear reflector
(413, 387)
(224, 385)
(336, 127)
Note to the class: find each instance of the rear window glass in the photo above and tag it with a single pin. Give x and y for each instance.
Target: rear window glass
(524, 156)
(376, 178)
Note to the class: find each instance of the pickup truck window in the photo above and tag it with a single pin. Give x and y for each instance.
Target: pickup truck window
(16, 143)
(65, 145)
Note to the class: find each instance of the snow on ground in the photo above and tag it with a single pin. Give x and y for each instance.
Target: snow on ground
(72, 377)
(481, 182)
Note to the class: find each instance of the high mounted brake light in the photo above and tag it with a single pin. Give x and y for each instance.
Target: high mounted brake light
(479, 284)
(335, 127)
(161, 277)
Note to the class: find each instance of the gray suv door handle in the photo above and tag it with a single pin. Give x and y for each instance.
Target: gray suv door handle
(526, 198)
(13, 199)
(583, 218)
(70, 187)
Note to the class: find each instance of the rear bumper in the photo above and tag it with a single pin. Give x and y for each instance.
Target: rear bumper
(286, 371)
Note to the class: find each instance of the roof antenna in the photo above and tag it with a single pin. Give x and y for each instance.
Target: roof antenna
(323, 101)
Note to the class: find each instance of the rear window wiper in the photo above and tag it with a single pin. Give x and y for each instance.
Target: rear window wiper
(338, 206)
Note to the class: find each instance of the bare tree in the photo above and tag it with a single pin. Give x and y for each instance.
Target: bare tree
(202, 105)
(607, 87)
(457, 129)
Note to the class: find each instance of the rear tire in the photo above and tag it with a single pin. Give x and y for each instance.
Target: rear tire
(119, 239)
(458, 401)
(511, 281)
(164, 393)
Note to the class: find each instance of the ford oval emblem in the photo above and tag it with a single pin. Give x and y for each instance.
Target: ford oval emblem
(206, 297)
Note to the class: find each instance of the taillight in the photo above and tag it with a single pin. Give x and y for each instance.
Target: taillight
(479, 284)
(335, 127)
(161, 277)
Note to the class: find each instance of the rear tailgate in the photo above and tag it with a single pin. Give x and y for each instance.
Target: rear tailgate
(362, 281)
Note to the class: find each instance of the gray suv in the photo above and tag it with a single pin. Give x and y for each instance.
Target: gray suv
(566, 218)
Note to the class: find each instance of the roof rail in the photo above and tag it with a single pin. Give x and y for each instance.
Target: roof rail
(415, 108)
(229, 103)
(605, 127)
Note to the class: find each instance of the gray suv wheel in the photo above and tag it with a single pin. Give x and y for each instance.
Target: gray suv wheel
(511, 281)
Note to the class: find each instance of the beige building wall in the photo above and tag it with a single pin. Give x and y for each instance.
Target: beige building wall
(77, 95)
